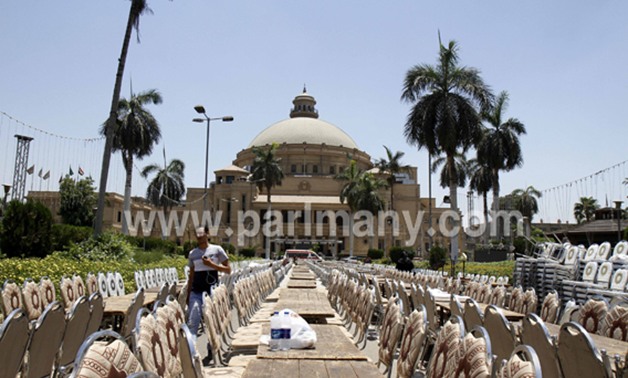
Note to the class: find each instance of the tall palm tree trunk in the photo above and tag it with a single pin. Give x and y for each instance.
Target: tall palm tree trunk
(453, 200)
(128, 166)
(268, 218)
(497, 225)
(351, 234)
(111, 122)
(486, 227)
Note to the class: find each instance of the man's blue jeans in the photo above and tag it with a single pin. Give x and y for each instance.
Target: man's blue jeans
(195, 312)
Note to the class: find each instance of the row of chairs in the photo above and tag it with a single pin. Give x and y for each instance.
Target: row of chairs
(47, 345)
(156, 277)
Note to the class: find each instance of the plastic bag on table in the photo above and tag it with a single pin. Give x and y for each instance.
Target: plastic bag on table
(301, 334)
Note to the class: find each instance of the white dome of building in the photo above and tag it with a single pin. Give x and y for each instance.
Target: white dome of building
(303, 126)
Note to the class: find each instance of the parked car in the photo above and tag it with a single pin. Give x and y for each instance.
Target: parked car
(303, 254)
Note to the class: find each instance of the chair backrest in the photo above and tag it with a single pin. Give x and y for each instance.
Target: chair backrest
(472, 314)
(502, 334)
(589, 272)
(75, 328)
(112, 287)
(616, 322)
(484, 293)
(577, 353)
(131, 314)
(150, 347)
(619, 280)
(592, 313)
(550, 307)
(91, 282)
(139, 279)
(591, 252)
(163, 292)
(475, 355)
(389, 334)
(119, 283)
(47, 291)
(190, 360)
(498, 296)
(46, 337)
(621, 248)
(31, 295)
(169, 319)
(13, 342)
(529, 301)
(412, 343)
(99, 359)
(535, 334)
(571, 257)
(444, 354)
(79, 286)
(604, 273)
(11, 296)
(516, 299)
(603, 251)
(430, 307)
(455, 307)
(524, 362)
(103, 285)
(96, 312)
(68, 292)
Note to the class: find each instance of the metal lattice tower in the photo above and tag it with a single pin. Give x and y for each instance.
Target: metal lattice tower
(21, 165)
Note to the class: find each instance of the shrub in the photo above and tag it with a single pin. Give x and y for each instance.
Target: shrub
(228, 247)
(438, 257)
(247, 252)
(64, 235)
(109, 245)
(375, 254)
(396, 252)
(147, 257)
(26, 230)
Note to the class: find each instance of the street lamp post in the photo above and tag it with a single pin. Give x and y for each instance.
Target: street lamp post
(200, 109)
(619, 216)
(7, 189)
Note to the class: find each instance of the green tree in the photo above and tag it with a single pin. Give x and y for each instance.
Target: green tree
(480, 180)
(499, 147)
(445, 115)
(136, 132)
(138, 8)
(585, 209)
(390, 166)
(77, 201)
(167, 186)
(26, 230)
(461, 169)
(526, 202)
(267, 173)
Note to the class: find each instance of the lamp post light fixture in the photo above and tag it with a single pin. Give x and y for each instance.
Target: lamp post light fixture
(200, 109)
(619, 216)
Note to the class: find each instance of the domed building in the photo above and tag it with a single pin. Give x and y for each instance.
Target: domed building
(307, 208)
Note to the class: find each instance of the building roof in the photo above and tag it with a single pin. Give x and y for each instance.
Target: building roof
(232, 168)
(303, 126)
(291, 199)
(601, 225)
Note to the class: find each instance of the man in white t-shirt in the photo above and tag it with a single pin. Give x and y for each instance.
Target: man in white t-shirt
(205, 261)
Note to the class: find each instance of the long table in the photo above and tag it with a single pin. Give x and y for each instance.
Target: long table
(119, 305)
(305, 302)
(310, 368)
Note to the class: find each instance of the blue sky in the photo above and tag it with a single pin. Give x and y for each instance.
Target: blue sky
(564, 64)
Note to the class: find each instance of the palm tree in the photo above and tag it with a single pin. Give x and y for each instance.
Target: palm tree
(525, 200)
(267, 173)
(391, 165)
(461, 169)
(167, 187)
(137, 131)
(481, 179)
(445, 116)
(585, 209)
(499, 147)
(138, 8)
(350, 194)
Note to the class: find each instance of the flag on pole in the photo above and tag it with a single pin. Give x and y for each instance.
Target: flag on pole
(31, 169)
(71, 171)
(60, 179)
(41, 172)
(80, 171)
(47, 175)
